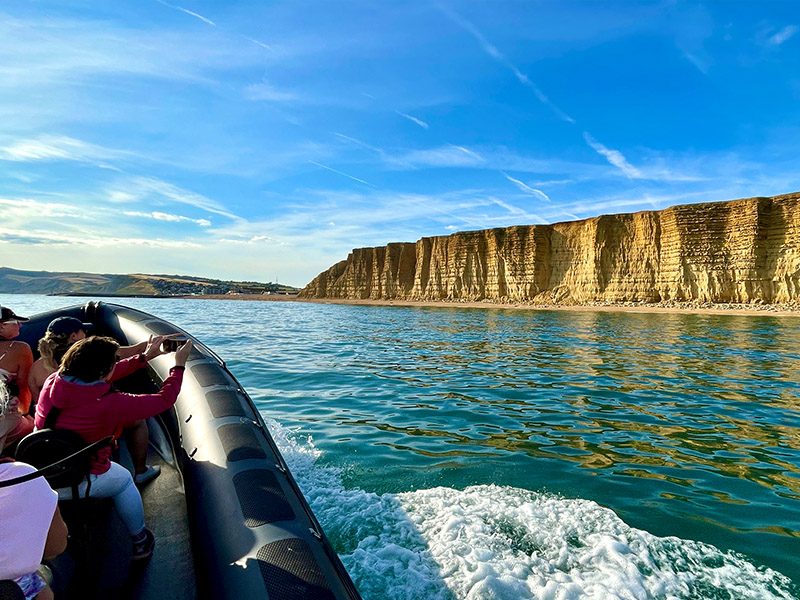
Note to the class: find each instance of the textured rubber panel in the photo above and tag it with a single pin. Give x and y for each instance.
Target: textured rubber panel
(261, 498)
(291, 572)
(240, 442)
(209, 374)
(162, 328)
(225, 403)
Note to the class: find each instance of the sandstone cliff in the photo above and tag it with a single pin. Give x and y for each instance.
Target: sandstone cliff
(739, 251)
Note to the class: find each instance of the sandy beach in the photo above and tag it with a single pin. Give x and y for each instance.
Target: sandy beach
(776, 310)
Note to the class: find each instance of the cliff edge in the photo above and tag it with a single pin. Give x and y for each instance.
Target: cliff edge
(741, 251)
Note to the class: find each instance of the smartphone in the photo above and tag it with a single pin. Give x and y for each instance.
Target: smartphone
(171, 345)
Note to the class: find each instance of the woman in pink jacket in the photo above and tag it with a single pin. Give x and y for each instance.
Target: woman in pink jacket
(88, 404)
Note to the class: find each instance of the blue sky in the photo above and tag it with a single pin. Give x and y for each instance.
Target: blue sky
(264, 140)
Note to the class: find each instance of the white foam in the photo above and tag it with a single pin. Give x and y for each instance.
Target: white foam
(508, 543)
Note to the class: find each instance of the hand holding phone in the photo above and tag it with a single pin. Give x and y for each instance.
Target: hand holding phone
(171, 345)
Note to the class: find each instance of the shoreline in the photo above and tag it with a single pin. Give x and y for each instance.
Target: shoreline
(705, 308)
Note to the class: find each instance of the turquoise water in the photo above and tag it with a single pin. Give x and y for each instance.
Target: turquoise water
(456, 453)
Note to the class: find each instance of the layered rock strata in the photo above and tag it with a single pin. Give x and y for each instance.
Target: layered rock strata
(742, 251)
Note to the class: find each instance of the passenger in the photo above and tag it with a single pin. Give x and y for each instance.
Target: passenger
(15, 363)
(87, 404)
(40, 535)
(60, 335)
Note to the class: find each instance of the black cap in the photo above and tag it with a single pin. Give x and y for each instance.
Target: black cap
(9, 315)
(68, 326)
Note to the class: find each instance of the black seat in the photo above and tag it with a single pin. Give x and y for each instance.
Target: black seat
(84, 516)
(10, 591)
(47, 446)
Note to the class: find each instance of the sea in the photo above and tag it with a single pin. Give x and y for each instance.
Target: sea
(505, 454)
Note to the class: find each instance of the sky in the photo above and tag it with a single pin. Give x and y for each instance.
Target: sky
(257, 140)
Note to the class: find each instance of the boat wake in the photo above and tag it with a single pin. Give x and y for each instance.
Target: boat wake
(498, 542)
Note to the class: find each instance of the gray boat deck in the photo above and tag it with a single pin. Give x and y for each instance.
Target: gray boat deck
(97, 562)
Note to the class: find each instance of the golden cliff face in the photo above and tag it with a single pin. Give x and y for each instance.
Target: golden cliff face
(739, 251)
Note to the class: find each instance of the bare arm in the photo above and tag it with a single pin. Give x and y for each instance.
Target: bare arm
(39, 372)
(56, 537)
(128, 351)
(24, 360)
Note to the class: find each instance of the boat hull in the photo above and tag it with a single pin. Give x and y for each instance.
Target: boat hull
(253, 534)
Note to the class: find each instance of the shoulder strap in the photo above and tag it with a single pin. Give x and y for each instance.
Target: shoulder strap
(45, 470)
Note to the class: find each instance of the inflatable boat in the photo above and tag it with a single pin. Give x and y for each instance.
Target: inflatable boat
(229, 518)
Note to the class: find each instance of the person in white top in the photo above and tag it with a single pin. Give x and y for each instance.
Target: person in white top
(27, 540)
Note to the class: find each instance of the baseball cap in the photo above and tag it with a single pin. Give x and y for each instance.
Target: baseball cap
(68, 326)
(6, 314)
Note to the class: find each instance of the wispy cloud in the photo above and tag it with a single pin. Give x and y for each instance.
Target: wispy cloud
(28, 209)
(526, 188)
(140, 189)
(413, 119)
(342, 173)
(205, 20)
(360, 144)
(97, 239)
(258, 43)
(267, 92)
(60, 148)
(621, 202)
(501, 58)
(198, 16)
(444, 156)
(783, 35)
(703, 64)
(691, 26)
(614, 157)
(171, 218)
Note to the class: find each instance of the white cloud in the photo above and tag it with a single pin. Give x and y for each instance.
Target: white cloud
(444, 156)
(526, 188)
(121, 197)
(493, 52)
(783, 35)
(357, 142)
(413, 119)
(205, 20)
(97, 239)
(614, 157)
(59, 148)
(266, 92)
(26, 210)
(161, 216)
(139, 189)
(198, 16)
(258, 43)
(618, 203)
(342, 173)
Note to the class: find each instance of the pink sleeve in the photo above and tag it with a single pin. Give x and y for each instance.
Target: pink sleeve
(124, 408)
(45, 402)
(126, 366)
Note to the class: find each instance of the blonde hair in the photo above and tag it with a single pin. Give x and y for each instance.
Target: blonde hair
(52, 348)
(4, 398)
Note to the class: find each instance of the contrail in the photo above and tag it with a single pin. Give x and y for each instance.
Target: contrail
(332, 170)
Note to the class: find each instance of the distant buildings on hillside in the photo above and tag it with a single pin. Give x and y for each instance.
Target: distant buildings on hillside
(167, 287)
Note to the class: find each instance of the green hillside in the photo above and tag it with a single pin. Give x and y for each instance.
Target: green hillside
(13, 281)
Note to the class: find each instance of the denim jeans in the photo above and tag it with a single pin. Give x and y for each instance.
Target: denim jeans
(115, 483)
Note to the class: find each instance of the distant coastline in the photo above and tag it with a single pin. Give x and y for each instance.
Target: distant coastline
(761, 310)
